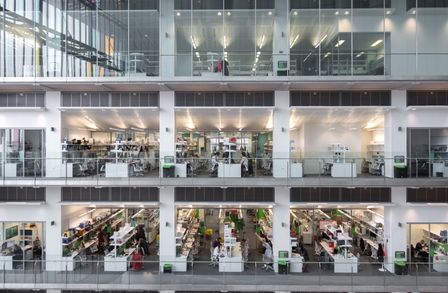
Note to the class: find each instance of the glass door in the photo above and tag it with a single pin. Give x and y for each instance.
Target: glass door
(34, 152)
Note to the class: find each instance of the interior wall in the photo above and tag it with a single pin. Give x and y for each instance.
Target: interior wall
(70, 216)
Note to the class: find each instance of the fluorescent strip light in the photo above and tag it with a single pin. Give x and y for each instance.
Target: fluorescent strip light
(360, 54)
(193, 43)
(116, 129)
(262, 42)
(320, 42)
(306, 58)
(138, 129)
(225, 42)
(136, 214)
(88, 212)
(339, 43)
(326, 55)
(376, 43)
(294, 41)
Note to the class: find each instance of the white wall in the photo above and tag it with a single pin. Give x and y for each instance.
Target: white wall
(167, 251)
(280, 134)
(281, 222)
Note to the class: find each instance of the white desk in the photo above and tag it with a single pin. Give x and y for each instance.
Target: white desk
(229, 170)
(67, 170)
(234, 263)
(10, 169)
(6, 262)
(295, 263)
(180, 264)
(180, 170)
(440, 263)
(340, 170)
(439, 168)
(296, 170)
(119, 263)
(341, 264)
(116, 170)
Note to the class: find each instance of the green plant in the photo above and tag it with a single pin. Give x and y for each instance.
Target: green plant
(66, 252)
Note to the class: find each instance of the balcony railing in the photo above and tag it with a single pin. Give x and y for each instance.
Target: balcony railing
(129, 170)
(90, 274)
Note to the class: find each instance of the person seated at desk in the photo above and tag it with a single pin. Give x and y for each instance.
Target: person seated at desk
(214, 165)
(421, 249)
(244, 165)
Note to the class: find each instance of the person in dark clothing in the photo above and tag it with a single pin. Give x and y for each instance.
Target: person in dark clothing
(140, 234)
(419, 246)
(380, 253)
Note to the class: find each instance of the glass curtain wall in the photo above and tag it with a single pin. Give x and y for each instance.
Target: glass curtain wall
(22, 152)
(224, 37)
(332, 38)
(73, 38)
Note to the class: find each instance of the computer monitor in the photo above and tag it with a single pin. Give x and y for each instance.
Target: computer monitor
(168, 159)
(283, 254)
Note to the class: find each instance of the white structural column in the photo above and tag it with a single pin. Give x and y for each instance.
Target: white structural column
(53, 135)
(167, 39)
(280, 230)
(395, 130)
(167, 126)
(167, 248)
(281, 34)
(280, 137)
(395, 226)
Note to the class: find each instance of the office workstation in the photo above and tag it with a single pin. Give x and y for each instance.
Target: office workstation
(223, 239)
(95, 144)
(428, 243)
(339, 143)
(114, 234)
(21, 243)
(223, 143)
(339, 237)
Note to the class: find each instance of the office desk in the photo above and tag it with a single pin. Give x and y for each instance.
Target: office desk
(296, 170)
(232, 264)
(295, 263)
(119, 263)
(10, 169)
(116, 170)
(343, 170)
(180, 170)
(439, 168)
(341, 264)
(6, 262)
(229, 170)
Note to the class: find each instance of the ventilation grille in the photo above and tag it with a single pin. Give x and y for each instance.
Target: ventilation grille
(324, 194)
(228, 99)
(217, 194)
(427, 98)
(98, 99)
(14, 194)
(14, 100)
(125, 194)
(341, 4)
(427, 195)
(346, 98)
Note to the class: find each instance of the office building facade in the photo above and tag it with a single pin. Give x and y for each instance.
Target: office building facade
(253, 145)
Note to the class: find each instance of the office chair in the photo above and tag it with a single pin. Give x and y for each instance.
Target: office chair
(137, 169)
(214, 257)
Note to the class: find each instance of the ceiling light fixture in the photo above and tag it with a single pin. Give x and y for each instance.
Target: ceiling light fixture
(229, 13)
(413, 109)
(360, 54)
(178, 13)
(376, 43)
(388, 12)
(193, 43)
(262, 41)
(294, 41)
(219, 13)
(225, 42)
(320, 42)
(270, 13)
(346, 12)
(295, 13)
(336, 13)
(326, 55)
(339, 43)
(116, 129)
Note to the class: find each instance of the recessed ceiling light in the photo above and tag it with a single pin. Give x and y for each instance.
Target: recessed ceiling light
(219, 13)
(295, 13)
(229, 13)
(346, 12)
(388, 12)
(414, 11)
(376, 43)
(178, 13)
(336, 13)
(339, 43)
(270, 13)
(414, 109)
